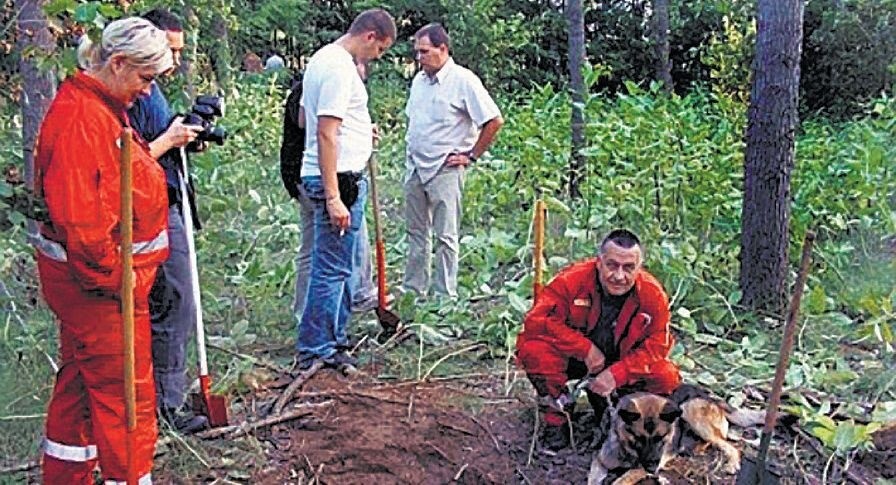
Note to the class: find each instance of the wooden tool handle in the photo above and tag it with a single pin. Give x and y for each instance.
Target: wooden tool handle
(378, 230)
(538, 257)
(127, 275)
(126, 225)
(789, 332)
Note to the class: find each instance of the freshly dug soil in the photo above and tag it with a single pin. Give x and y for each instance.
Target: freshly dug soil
(466, 430)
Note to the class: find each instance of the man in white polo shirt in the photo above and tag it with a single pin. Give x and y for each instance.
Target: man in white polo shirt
(452, 120)
(338, 143)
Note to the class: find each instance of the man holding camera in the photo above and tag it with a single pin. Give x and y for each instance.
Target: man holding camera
(171, 305)
(338, 143)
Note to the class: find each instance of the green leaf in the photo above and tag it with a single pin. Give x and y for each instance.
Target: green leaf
(110, 11)
(56, 7)
(518, 303)
(86, 13)
(816, 301)
(884, 412)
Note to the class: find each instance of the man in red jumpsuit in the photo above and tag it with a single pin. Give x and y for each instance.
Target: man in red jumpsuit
(78, 255)
(605, 317)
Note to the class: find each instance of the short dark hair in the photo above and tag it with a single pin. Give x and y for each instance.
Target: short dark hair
(164, 20)
(436, 33)
(622, 238)
(374, 20)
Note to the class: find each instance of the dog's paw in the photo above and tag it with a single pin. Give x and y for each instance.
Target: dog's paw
(731, 468)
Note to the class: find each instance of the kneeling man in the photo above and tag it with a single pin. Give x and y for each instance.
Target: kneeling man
(606, 317)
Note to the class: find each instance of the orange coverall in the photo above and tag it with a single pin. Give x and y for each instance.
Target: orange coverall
(556, 328)
(77, 170)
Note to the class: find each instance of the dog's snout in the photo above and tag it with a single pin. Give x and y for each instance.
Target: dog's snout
(652, 466)
(649, 426)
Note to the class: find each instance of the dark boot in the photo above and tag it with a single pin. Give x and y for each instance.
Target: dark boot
(554, 438)
(183, 420)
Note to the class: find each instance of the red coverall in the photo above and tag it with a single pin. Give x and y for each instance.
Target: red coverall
(78, 255)
(556, 329)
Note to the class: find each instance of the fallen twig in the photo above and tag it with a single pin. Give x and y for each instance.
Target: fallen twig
(246, 428)
(460, 472)
(534, 437)
(22, 467)
(255, 360)
(448, 356)
(23, 417)
(339, 394)
(237, 430)
(490, 434)
(295, 385)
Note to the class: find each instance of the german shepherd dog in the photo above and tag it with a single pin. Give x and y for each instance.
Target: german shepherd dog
(644, 431)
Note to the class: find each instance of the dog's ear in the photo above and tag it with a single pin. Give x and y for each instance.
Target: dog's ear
(628, 417)
(670, 412)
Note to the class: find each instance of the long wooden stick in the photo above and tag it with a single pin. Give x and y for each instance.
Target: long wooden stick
(127, 300)
(771, 415)
(538, 257)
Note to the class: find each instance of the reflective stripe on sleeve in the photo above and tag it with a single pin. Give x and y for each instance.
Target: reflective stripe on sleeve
(156, 244)
(68, 452)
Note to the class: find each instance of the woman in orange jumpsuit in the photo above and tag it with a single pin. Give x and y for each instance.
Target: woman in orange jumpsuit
(78, 255)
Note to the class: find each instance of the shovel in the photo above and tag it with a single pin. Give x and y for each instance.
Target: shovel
(388, 320)
(756, 471)
(205, 403)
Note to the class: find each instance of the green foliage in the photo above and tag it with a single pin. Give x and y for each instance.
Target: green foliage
(848, 54)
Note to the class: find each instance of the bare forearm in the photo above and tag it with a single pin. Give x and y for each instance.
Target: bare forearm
(328, 147)
(159, 147)
(487, 135)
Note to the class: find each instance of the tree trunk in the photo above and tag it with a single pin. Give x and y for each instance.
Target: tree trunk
(220, 54)
(660, 24)
(187, 63)
(576, 18)
(39, 88)
(772, 122)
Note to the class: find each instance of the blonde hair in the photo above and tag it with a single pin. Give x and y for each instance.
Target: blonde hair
(138, 39)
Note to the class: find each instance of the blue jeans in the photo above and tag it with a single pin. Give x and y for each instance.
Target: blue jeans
(322, 329)
(173, 315)
(364, 288)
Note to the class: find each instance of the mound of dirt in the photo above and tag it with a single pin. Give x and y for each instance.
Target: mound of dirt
(384, 434)
(468, 430)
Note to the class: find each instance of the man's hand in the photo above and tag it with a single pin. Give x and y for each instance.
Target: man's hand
(177, 135)
(595, 360)
(603, 384)
(376, 135)
(339, 215)
(457, 159)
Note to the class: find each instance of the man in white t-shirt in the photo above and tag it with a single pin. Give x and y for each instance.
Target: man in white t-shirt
(452, 120)
(338, 143)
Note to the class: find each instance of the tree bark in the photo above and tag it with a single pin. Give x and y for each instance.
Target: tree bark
(576, 19)
(771, 125)
(221, 56)
(660, 23)
(39, 88)
(187, 64)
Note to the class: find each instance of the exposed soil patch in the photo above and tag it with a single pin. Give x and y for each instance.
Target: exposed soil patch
(465, 430)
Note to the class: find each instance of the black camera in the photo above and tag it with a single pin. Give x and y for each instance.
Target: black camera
(203, 113)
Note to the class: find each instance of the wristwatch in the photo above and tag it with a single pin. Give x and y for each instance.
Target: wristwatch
(470, 156)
